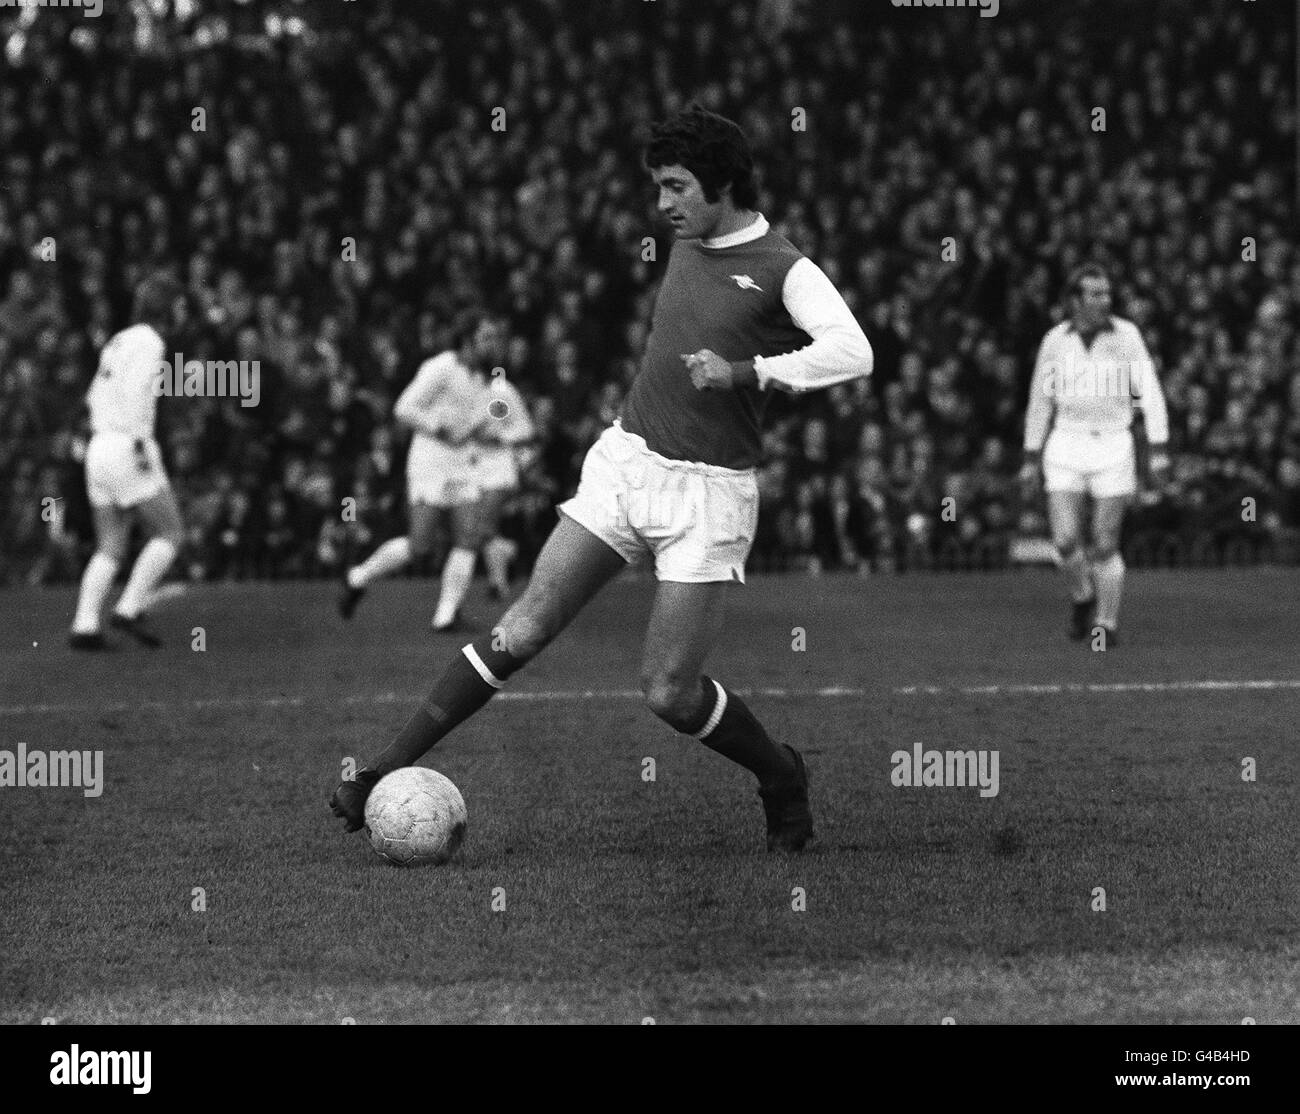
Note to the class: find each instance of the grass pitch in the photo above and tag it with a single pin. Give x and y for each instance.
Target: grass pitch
(626, 898)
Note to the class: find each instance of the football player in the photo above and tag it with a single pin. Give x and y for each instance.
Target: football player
(1092, 370)
(466, 419)
(740, 312)
(124, 472)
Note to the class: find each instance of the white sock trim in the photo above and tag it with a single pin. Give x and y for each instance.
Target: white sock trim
(718, 709)
(480, 667)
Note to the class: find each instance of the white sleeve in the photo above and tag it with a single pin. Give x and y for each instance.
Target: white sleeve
(839, 350)
(519, 426)
(1148, 394)
(1042, 395)
(416, 405)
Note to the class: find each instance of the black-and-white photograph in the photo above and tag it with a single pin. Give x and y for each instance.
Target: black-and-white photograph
(648, 512)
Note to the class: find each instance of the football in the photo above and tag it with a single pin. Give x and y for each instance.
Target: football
(415, 817)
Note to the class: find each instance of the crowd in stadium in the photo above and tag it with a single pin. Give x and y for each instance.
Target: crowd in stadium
(246, 152)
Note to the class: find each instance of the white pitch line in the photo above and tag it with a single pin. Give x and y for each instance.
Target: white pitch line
(1129, 686)
(834, 692)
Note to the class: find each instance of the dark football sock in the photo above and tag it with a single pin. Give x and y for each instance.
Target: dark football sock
(470, 680)
(726, 724)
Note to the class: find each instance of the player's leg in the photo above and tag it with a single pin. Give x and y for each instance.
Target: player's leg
(498, 552)
(161, 516)
(467, 537)
(390, 558)
(112, 532)
(1107, 562)
(684, 625)
(572, 567)
(1065, 516)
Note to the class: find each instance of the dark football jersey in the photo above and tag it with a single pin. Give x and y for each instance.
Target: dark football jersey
(727, 300)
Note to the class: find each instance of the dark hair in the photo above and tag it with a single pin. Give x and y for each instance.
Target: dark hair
(1074, 284)
(154, 297)
(466, 322)
(711, 147)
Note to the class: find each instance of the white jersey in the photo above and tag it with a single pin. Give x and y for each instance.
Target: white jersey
(448, 397)
(497, 463)
(123, 398)
(1092, 390)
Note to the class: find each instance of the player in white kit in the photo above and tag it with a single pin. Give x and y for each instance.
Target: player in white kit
(467, 421)
(124, 473)
(1092, 369)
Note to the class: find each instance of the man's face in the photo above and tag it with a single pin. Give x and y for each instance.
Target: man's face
(682, 202)
(490, 343)
(1092, 304)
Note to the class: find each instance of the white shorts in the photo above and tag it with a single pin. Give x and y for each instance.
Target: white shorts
(118, 476)
(440, 475)
(1102, 464)
(496, 470)
(696, 520)
(442, 491)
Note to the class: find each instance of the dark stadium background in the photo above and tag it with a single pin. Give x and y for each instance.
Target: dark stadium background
(372, 121)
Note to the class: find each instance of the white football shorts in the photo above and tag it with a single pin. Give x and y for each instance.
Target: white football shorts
(1101, 463)
(496, 469)
(696, 520)
(440, 475)
(119, 476)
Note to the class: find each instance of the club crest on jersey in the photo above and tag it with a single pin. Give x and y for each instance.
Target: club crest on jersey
(745, 282)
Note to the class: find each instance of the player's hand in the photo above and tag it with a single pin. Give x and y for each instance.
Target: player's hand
(141, 456)
(455, 437)
(349, 799)
(1159, 467)
(490, 429)
(709, 371)
(1031, 471)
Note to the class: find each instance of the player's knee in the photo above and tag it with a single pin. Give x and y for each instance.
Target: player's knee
(503, 547)
(470, 539)
(1104, 550)
(173, 536)
(674, 700)
(525, 632)
(112, 549)
(1067, 545)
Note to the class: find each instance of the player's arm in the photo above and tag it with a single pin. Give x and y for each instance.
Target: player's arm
(504, 420)
(517, 427)
(143, 365)
(1039, 412)
(1144, 385)
(839, 350)
(417, 408)
(838, 353)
